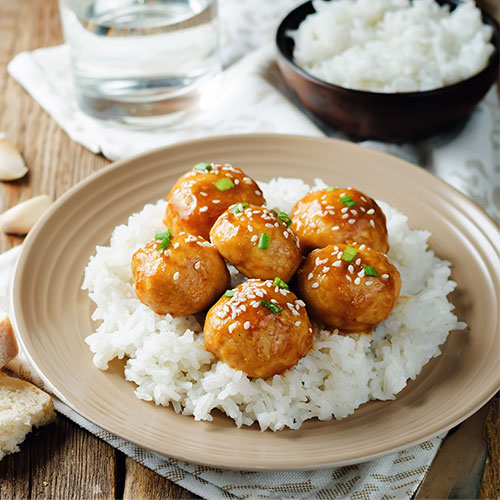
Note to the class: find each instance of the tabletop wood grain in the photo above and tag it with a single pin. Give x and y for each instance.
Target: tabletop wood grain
(63, 461)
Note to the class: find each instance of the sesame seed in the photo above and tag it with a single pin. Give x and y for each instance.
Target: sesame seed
(368, 283)
(357, 281)
(350, 268)
(246, 325)
(348, 278)
(176, 245)
(274, 301)
(285, 234)
(309, 276)
(358, 262)
(176, 276)
(269, 225)
(363, 198)
(351, 221)
(337, 263)
(300, 303)
(255, 304)
(341, 194)
(297, 323)
(236, 181)
(362, 247)
(257, 192)
(372, 223)
(384, 276)
(232, 326)
(197, 265)
(363, 209)
(247, 180)
(215, 201)
(250, 228)
(345, 216)
(361, 273)
(203, 209)
(344, 210)
(335, 228)
(326, 269)
(203, 193)
(314, 285)
(254, 238)
(371, 211)
(354, 212)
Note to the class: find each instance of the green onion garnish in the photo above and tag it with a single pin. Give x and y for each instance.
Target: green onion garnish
(203, 167)
(285, 218)
(164, 236)
(275, 309)
(347, 201)
(229, 293)
(370, 271)
(224, 184)
(264, 241)
(239, 207)
(349, 254)
(274, 212)
(330, 189)
(279, 282)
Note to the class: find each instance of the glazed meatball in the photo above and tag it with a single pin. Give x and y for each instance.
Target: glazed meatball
(257, 241)
(348, 287)
(339, 215)
(259, 328)
(202, 194)
(182, 274)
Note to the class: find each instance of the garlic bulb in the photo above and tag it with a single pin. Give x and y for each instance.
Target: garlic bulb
(12, 165)
(21, 217)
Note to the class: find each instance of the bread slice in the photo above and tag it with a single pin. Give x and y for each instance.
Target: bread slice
(22, 406)
(8, 344)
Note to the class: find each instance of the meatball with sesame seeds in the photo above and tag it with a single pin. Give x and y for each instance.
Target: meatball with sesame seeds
(257, 241)
(348, 287)
(339, 215)
(179, 274)
(203, 193)
(259, 327)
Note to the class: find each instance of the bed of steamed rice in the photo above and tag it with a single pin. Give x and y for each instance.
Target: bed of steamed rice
(392, 45)
(167, 361)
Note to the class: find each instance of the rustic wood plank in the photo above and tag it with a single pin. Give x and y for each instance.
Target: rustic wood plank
(141, 482)
(60, 461)
(490, 486)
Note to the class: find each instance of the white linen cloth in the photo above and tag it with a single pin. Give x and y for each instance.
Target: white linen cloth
(254, 99)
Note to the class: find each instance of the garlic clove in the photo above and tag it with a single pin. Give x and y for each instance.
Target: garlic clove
(12, 164)
(21, 217)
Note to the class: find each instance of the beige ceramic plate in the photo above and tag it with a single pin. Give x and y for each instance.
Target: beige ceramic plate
(52, 315)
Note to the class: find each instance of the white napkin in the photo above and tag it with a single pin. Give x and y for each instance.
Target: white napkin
(254, 99)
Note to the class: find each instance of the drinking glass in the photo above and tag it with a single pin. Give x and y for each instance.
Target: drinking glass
(142, 63)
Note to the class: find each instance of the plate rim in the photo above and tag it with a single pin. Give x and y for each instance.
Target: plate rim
(256, 136)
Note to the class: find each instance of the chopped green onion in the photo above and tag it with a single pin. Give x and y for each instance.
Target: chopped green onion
(349, 253)
(285, 218)
(274, 212)
(203, 167)
(275, 309)
(370, 271)
(279, 282)
(347, 201)
(330, 189)
(223, 184)
(239, 207)
(264, 241)
(163, 234)
(229, 293)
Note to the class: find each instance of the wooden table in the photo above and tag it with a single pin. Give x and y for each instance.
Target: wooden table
(62, 460)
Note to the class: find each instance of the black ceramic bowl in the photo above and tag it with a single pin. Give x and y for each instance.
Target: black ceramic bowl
(395, 117)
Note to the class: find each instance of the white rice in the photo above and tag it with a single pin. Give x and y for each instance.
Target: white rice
(392, 45)
(167, 361)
